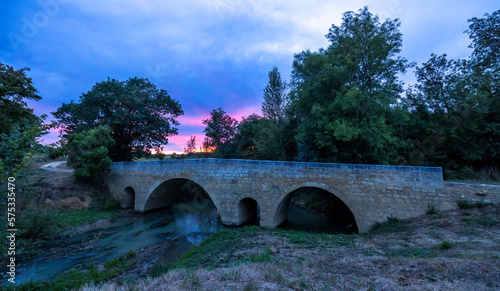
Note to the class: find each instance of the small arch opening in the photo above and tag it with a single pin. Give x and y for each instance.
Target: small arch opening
(128, 200)
(248, 212)
(315, 209)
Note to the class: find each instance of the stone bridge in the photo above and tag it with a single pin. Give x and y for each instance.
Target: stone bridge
(371, 192)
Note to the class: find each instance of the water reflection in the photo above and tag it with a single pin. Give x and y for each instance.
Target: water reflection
(185, 225)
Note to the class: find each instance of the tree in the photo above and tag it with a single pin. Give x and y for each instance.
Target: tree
(139, 115)
(275, 97)
(190, 145)
(455, 107)
(274, 108)
(220, 128)
(90, 148)
(343, 96)
(19, 126)
(485, 35)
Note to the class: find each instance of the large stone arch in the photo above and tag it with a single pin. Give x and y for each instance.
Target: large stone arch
(281, 210)
(163, 193)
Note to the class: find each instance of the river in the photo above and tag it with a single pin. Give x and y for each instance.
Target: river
(185, 225)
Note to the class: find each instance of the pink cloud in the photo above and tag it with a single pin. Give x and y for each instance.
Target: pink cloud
(245, 112)
(192, 120)
(178, 143)
(51, 137)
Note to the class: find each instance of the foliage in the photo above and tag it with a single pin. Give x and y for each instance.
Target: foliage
(464, 204)
(344, 95)
(445, 245)
(455, 107)
(90, 150)
(191, 145)
(139, 115)
(37, 224)
(391, 225)
(19, 127)
(431, 209)
(275, 97)
(220, 128)
(160, 156)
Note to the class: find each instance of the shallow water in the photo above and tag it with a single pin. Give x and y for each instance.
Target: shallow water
(185, 225)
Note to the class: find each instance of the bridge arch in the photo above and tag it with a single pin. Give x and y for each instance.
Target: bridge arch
(339, 201)
(128, 198)
(248, 209)
(165, 193)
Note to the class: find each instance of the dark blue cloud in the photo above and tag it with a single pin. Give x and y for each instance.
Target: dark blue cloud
(206, 54)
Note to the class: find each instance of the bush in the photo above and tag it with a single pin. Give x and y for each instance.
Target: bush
(90, 151)
(55, 153)
(445, 245)
(464, 204)
(37, 224)
(431, 209)
(109, 204)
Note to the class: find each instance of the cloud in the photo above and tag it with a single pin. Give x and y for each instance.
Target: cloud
(205, 53)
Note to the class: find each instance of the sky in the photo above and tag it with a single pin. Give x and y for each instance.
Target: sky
(205, 53)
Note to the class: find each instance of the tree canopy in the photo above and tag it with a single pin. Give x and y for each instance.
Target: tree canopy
(19, 126)
(346, 104)
(220, 128)
(343, 95)
(139, 115)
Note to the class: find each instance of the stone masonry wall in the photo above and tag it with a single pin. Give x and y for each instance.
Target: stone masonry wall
(372, 192)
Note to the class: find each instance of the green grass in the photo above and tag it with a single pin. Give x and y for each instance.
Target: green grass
(218, 250)
(313, 239)
(68, 219)
(76, 278)
(445, 245)
(410, 253)
(393, 224)
(264, 257)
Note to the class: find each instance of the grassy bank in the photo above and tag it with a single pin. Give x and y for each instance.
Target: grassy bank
(452, 250)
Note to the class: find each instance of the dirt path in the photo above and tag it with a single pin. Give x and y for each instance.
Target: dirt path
(57, 167)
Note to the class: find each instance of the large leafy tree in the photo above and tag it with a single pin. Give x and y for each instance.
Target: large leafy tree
(19, 126)
(455, 106)
(139, 115)
(343, 95)
(220, 128)
(485, 35)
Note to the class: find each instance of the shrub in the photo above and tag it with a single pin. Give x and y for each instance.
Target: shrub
(37, 224)
(445, 245)
(90, 151)
(109, 204)
(464, 204)
(431, 209)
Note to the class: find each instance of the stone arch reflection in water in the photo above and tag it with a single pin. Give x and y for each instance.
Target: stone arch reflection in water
(195, 213)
